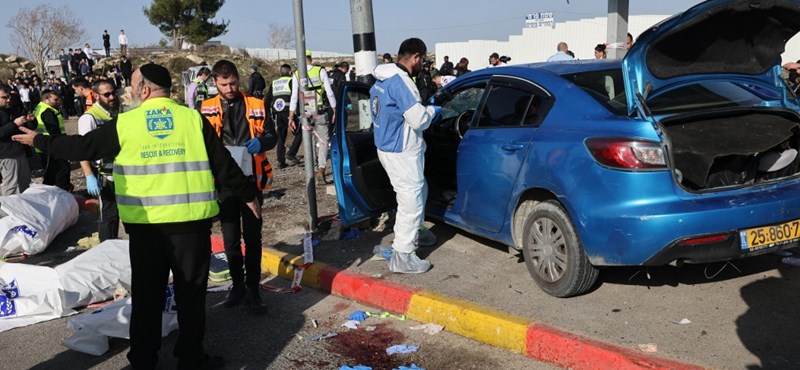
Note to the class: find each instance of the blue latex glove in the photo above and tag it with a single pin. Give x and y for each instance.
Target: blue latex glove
(253, 146)
(437, 115)
(412, 367)
(92, 185)
(349, 106)
(431, 100)
(358, 316)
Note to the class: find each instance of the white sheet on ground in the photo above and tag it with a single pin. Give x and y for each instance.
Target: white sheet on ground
(94, 275)
(34, 218)
(109, 321)
(30, 294)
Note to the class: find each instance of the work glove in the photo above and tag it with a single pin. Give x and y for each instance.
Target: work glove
(437, 115)
(93, 185)
(253, 146)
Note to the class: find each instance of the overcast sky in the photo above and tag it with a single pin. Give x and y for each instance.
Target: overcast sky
(327, 22)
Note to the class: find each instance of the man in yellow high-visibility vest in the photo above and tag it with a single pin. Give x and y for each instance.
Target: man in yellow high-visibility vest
(164, 154)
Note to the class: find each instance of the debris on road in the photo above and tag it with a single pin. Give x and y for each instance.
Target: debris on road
(791, 261)
(351, 324)
(401, 349)
(320, 337)
(683, 321)
(429, 328)
(412, 367)
(358, 316)
(357, 367)
(648, 348)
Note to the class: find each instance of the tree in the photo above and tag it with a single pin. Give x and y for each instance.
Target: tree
(188, 20)
(281, 36)
(41, 32)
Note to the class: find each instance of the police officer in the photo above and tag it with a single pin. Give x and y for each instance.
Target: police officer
(241, 120)
(316, 111)
(278, 98)
(198, 91)
(256, 84)
(163, 159)
(51, 122)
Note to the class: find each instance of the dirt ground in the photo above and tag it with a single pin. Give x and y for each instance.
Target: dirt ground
(284, 212)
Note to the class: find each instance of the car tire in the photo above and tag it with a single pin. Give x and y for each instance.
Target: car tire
(553, 253)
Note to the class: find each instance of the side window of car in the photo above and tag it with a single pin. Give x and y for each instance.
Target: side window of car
(510, 106)
(462, 101)
(357, 111)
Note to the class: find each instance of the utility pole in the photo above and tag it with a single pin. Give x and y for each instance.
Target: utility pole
(308, 147)
(363, 39)
(617, 27)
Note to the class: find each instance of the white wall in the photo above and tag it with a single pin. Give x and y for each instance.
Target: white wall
(538, 44)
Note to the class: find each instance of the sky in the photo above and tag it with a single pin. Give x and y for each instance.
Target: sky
(327, 22)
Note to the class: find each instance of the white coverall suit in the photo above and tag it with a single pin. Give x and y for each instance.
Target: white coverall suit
(399, 120)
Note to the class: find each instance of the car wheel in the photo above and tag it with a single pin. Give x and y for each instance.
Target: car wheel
(553, 253)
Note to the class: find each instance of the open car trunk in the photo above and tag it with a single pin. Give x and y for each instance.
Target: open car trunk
(733, 149)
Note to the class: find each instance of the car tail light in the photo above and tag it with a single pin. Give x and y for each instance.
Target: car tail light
(708, 239)
(626, 153)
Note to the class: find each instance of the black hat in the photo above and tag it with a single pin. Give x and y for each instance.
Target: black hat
(156, 74)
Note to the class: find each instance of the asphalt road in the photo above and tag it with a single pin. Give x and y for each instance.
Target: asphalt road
(278, 340)
(743, 315)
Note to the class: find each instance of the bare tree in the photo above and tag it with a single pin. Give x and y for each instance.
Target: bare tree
(281, 36)
(41, 32)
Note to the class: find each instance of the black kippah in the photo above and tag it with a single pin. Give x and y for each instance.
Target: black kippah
(156, 74)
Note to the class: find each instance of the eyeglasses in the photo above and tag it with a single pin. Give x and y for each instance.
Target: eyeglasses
(108, 94)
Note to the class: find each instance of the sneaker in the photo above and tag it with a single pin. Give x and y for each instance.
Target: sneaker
(426, 237)
(254, 303)
(408, 263)
(234, 298)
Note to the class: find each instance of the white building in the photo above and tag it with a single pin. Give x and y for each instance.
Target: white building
(538, 44)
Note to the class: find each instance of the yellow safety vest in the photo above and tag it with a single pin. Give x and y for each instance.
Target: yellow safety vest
(40, 128)
(315, 83)
(162, 173)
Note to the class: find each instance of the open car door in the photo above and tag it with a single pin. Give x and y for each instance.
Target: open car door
(363, 189)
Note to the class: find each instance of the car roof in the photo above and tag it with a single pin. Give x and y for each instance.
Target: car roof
(561, 68)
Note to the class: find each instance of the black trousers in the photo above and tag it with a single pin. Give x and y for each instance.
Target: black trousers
(56, 171)
(281, 128)
(298, 139)
(153, 254)
(238, 221)
(108, 228)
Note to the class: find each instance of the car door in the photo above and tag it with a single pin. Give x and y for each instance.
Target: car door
(493, 151)
(362, 186)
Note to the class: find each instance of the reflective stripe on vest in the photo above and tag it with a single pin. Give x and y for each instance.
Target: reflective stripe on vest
(158, 174)
(282, 86)
(212, 110)
(315, 83)
(201, 93)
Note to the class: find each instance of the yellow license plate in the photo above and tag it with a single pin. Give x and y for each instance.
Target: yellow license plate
(770, 236)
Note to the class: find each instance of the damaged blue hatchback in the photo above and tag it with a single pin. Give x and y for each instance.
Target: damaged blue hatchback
(686, 150)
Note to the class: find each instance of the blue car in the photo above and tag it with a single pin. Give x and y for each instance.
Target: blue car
(685, 151)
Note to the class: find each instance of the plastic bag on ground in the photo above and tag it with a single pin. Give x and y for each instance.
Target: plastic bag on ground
(34, 219)
(109, 321)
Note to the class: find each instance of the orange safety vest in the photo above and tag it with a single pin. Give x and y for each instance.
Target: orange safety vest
(255, 116)
(89, 102)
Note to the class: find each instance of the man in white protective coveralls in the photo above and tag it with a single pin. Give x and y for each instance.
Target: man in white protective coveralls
(399, 120)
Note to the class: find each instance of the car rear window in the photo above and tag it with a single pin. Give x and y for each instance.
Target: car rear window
(605, 86)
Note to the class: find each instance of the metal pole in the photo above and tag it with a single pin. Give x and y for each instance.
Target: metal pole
(308, 148)
(363, 40)
(617, 27)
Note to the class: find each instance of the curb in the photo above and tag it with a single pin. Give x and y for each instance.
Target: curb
(521, 335)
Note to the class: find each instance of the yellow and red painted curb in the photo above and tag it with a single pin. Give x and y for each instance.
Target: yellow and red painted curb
(496, 328)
